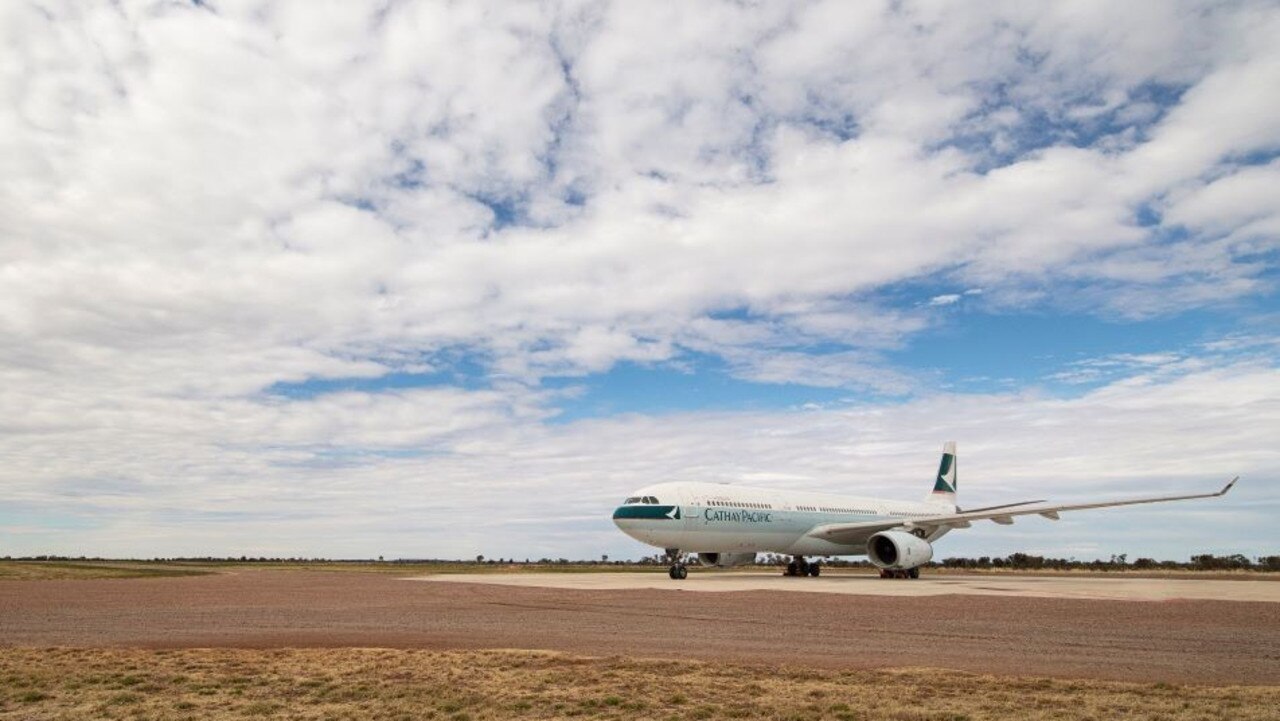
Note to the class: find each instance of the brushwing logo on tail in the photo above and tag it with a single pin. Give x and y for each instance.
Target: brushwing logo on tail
(946, 475)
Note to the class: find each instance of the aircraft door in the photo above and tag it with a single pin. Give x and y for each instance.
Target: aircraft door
(688, 511)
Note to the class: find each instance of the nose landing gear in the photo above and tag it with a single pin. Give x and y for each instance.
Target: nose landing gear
(678, 571)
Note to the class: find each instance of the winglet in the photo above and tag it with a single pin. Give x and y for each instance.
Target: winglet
(1227, 487)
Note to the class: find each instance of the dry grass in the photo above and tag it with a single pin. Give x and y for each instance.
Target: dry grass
(46, 570)
(475, 685)
(42, 570)
(63, 570)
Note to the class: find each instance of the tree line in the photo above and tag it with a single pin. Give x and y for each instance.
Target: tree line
(1120, 562)
(1027, 561)
(1018, 561)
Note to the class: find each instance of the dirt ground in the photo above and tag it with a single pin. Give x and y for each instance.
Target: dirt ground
(1213, 642)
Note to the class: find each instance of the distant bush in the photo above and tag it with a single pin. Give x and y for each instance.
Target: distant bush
(1017, 561)
(1120, 562)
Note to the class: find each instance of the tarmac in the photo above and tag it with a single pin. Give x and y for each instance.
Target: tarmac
(713, 581)
(944, 621)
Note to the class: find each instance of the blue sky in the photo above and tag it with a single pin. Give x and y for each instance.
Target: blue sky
(352, 280)
(970, 347)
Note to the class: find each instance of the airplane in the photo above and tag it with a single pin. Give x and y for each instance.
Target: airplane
(729, 525)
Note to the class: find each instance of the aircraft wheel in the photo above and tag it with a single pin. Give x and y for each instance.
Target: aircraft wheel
(682, 572)
(793, 569)
(814, 569)
(914, 573)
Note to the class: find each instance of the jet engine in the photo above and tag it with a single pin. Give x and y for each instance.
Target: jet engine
(898, 550)
(726, 560)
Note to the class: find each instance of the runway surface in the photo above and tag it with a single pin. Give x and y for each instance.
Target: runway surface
(1084, 587)
(1195, 640)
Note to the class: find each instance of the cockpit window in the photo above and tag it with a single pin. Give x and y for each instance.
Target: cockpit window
(631, 500)
(650, 499)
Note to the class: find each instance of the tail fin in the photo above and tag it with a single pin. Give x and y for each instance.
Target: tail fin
(944, 486)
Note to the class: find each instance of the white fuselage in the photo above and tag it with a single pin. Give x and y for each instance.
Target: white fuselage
(718, 518)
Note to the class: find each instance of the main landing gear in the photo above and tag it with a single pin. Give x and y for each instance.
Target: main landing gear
(800, 567)
(678, 571)
(900, 573)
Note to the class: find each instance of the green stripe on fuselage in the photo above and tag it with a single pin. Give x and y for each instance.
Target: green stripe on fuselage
(667, 513)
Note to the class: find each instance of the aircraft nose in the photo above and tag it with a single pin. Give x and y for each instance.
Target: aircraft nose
(620, 521)
(630, 518)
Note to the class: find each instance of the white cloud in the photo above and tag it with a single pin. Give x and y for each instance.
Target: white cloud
(1238, 205)
(831, 370)
(359, 474)
(200, 204)
(198, 169)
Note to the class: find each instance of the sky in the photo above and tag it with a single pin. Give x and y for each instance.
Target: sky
(426, 279)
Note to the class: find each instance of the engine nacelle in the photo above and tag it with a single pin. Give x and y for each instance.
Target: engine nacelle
(726, 560)
(898, 550)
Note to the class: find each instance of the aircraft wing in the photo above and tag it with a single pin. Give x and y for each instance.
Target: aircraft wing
(854, 533)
